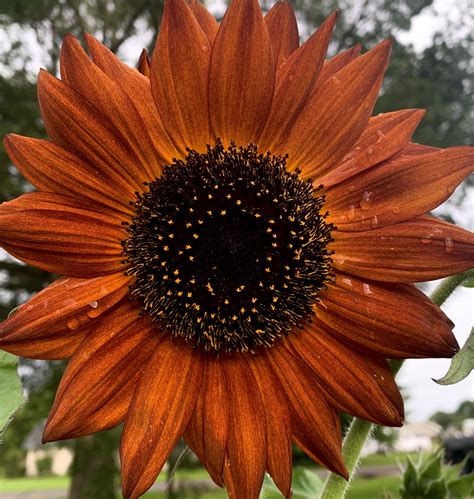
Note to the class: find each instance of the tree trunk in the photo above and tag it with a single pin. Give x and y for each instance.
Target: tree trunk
(94, 469)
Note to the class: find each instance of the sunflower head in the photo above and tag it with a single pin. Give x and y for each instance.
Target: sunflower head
(235, 197)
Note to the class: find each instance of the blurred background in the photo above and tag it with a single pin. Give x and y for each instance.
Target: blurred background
(431, 67)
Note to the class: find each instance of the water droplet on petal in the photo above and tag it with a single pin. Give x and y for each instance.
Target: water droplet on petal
(375, 221)
(73, 323)
(29, 308)
(396, 209)
(366, 288)
(364, 202)
(426, 240)
(448, 245)
(351, 213)
(380, 136)
(93, 304)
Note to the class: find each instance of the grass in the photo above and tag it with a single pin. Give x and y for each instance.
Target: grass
(33, 484)
(374, 488)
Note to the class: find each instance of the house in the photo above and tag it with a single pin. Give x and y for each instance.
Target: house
(413, 437)
(48, 458)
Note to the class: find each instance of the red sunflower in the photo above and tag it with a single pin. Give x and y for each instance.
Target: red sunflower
(239, 238)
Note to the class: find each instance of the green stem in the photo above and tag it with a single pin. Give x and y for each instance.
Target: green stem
(335, 486)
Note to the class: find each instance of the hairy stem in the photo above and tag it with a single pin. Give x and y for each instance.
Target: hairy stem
(335, 486)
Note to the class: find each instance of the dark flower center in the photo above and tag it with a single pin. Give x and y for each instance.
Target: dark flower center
(228, 248)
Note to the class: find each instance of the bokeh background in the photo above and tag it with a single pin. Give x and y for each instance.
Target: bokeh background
(431, 67)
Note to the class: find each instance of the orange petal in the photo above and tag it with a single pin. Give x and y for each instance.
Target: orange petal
(159, 413)
(398, 189)
(283, 31)
(138, 89)
(246, 445)
(342, 371)
(242, 74)
(335, 64)
(61, 235)
(80, 73)
(206, 433)
(315, 424)
(75, 124)
(393, 320)
(98, 384)
(206, 20)
(179, 76)
(336, 114)
(423, 249)
(53, 323)
(295, 79)
(143, 65)
(51, 168)
(279, 452)
(385, 135)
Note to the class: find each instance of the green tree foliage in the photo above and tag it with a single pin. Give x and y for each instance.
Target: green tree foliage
(456, 418)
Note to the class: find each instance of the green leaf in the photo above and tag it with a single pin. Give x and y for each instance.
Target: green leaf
(11, 391)
(437, 489)
(431, 469)
(461, 364)
(305, 485)
(462, 487)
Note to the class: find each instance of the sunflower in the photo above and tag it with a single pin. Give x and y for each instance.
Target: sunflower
(239, 240)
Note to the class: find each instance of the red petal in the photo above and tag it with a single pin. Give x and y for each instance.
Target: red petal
(385, 135)
(242, 74)
(315, 424)
(143, 65)
(295, 80)
(283, 31)
(51, 168)
(207, 431)
(246, 445)
(423, 249)
(61, 235)
(97, 387)
(398, 189)
(179, 76)
(138, 89)
(206, 20)
(53, 323)
(335, 64)
(279, 453)
(355, 383)
(394, 320)
(79, 127)
(336, 114)
(159, 413)
(80, 73)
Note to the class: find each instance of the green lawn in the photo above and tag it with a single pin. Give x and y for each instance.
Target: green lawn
(373, 488)
(31, 484)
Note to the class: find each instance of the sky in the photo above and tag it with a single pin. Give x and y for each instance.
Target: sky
(425, 396)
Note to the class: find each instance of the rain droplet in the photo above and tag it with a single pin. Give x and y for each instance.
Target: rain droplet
(396, 209)
(367, 289)
(93, 304)
(380, 136)
(426, 240)
(351, 213)
(347, 281)
(448, 245)
(365, 200)
(375, 221)
(29, 308)
(73, 323)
